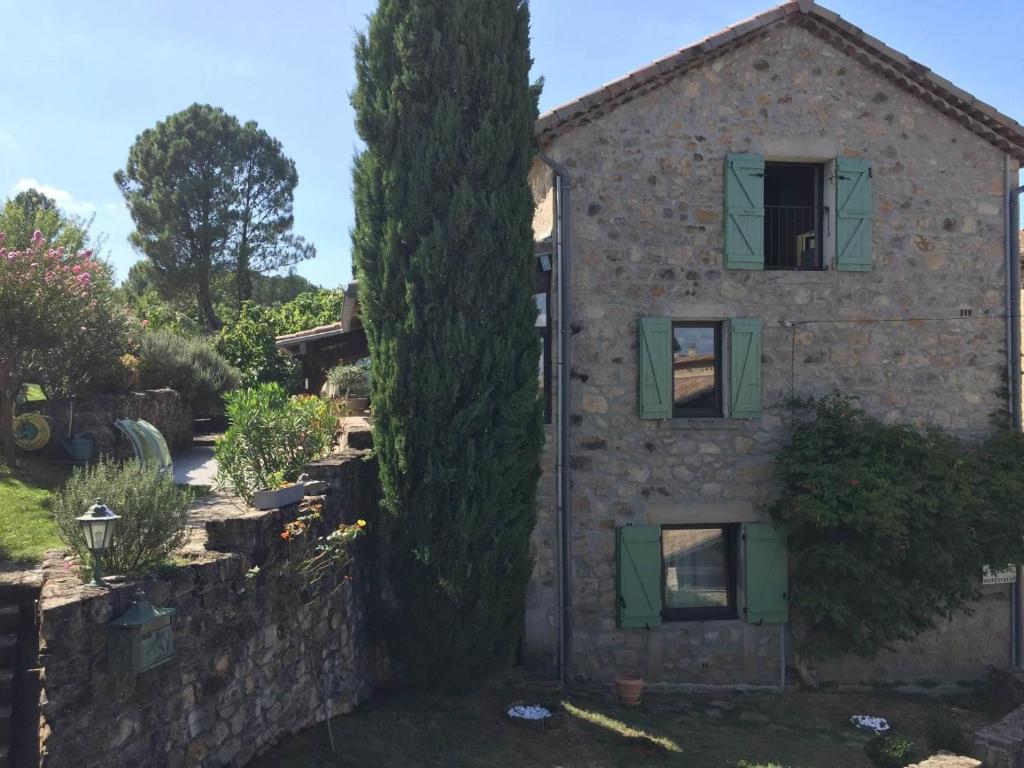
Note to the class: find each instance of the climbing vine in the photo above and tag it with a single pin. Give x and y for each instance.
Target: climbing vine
(890, 525)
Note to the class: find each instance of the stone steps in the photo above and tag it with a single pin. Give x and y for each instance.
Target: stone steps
(8, 651)
(6, 686)
(6, 711)
(9, 616)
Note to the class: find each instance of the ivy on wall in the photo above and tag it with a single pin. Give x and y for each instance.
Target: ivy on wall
(890, 525)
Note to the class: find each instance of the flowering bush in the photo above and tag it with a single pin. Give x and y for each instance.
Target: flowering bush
(271, 438)
(890, 526)
(330, 554)
(59, 322)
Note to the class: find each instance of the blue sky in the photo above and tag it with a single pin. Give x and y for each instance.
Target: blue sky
(80, 80)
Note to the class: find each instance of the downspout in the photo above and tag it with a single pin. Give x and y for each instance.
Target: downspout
(563, 472)
(1014, 368)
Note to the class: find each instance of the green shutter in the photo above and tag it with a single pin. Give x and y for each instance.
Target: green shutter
(655, 356)
(744, 212)
(638, 561)
(766, 574)
(853, 215)
(745, 368)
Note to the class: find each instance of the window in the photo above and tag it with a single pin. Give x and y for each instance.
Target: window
(698, 572)
(793, 215)
(543, 326)
(696, 370)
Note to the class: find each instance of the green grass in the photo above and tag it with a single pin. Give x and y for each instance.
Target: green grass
(725, 729)
(27, 529)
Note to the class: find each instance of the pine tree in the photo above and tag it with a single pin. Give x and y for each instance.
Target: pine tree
(443, 250)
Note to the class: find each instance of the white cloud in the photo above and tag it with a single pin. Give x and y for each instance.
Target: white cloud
(62, 197)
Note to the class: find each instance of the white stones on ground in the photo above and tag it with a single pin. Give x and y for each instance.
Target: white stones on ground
(529, 712)
(870, 723)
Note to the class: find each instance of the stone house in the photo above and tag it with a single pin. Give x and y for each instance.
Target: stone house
(786, 208)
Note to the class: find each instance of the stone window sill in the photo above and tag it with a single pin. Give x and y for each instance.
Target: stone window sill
(702, 424)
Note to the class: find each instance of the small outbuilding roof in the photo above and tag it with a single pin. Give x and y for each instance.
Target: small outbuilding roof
(984, 120)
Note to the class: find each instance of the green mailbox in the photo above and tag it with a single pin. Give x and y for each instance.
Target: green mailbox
(141, 638)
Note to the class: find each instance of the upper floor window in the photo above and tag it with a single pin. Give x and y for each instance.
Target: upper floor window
(782, 215)
(793, 215)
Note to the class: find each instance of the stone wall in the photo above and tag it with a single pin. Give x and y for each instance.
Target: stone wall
(647, 227)
(163, 408)
(245, 648)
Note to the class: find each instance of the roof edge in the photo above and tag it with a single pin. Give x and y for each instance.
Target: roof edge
(977, 116)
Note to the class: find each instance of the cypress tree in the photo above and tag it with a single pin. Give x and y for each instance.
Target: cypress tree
(443, 251)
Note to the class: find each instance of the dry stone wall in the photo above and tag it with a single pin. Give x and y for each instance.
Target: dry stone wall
(163, 408)
(242, 675)
(647, 228)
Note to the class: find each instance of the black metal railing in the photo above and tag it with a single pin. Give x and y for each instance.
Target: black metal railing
(792, 236)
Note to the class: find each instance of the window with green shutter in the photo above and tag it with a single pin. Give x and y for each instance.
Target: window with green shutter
(853, 214)
(766, 574)
(655, 357)
(744, 211)
(638, 576)
(745, 368)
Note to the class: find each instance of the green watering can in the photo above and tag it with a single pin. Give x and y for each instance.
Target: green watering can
(81, 447)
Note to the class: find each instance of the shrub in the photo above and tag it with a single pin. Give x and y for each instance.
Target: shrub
(891, 525)
(271, 438)
(153, 510)
(889, 751)
(944, 732)
(350, 379)
(189, 365)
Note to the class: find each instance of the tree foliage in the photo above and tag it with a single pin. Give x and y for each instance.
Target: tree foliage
(60, 324)
(247, 343)
(210, 195)
(31, 211)
(890, 525)
(443, 253)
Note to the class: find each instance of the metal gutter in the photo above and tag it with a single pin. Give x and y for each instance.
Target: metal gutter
(1014, 372)
(563, 471)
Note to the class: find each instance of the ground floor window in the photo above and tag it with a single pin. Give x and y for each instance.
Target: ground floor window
(698, 572)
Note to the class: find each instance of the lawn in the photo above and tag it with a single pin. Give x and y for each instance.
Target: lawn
(26, 528)
(726, 729)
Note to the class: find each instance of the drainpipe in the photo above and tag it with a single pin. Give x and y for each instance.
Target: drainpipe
(563, 472)
(1013, 339)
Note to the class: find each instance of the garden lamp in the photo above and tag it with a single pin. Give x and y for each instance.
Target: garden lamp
(98, 526)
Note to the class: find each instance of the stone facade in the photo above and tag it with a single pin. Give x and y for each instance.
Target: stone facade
(245, 648)
(920, 338)
(163, 408)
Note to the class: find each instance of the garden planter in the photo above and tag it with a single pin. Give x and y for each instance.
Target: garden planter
(279, 497)
(628, 689)
(357, 406)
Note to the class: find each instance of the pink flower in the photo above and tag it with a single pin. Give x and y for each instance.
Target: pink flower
(3, 238)
(37, 236)
(86, 254)
(76, 269)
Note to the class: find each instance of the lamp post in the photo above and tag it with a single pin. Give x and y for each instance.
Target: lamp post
(98, 526)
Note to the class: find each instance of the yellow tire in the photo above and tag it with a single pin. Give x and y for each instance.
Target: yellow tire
(31, 431)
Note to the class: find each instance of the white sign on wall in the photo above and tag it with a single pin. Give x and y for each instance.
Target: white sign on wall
(1007, 575)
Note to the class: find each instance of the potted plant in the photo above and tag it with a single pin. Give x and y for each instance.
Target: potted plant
(278, 493)
(628, 688)
(350, 383)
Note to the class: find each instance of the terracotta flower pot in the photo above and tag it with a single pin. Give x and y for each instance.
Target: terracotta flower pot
(628, 688)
